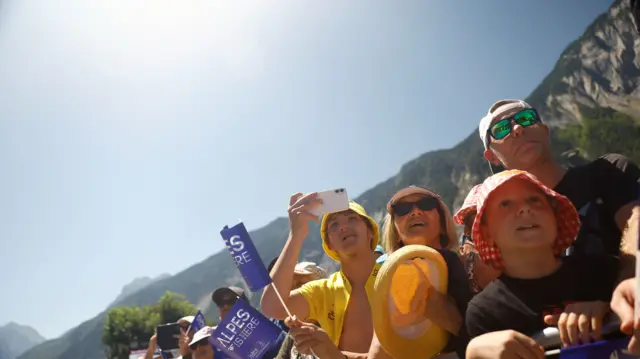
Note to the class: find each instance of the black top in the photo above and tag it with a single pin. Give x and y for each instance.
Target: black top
(459, 290)
(598, 190)
(521, 304)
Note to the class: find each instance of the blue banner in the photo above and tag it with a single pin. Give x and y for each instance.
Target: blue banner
(245, 333)
(604, 349)
(246, 257)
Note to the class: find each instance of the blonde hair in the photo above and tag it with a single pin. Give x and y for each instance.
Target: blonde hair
(391, 239)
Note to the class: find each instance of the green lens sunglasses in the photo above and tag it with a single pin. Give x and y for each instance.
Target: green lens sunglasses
(503, 128)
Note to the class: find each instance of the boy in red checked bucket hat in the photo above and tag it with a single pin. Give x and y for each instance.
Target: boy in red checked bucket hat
(521, 228)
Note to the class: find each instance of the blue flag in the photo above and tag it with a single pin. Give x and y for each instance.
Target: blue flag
(198, 321)
(246, 256)
(603, 349)
(245, 333)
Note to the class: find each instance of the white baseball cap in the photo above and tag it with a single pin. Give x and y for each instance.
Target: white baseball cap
(203, 333)
(189, 319)
(498, 110)
(310, 268)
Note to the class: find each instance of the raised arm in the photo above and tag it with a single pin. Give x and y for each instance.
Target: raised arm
(282, 272)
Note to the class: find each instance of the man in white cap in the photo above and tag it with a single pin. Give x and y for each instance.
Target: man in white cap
(200, 345)
(605, 191)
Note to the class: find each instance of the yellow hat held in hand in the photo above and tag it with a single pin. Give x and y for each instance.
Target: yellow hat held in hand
(398, 308)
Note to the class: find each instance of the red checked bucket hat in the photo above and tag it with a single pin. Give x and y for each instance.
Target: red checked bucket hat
(469, 206)
(567, 217)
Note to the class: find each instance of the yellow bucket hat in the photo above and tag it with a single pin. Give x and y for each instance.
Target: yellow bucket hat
(360, 211)
(401, 292)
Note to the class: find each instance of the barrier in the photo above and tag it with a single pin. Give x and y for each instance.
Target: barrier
(612, 346)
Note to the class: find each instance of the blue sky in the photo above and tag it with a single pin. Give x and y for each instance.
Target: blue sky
(131, 132)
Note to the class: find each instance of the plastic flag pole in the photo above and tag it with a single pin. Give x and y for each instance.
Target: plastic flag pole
(190, 324)
(284, 305)
(281, 300)
(288, 312)
(636, 307)
(277, 292)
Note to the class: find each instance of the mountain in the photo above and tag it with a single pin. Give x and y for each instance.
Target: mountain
(597, 71)
(137, 284)
(5, 353)
(16, 339)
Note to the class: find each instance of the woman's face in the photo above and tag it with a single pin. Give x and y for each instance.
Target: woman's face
(421, 225)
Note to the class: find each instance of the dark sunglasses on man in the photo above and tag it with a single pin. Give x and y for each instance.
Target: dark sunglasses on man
(501, 129)
(424, 204)
(229, 301)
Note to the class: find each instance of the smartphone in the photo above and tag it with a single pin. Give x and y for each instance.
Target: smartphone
(335, 200)
(168, 336)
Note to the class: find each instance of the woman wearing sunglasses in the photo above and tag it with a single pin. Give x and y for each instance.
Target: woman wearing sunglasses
(416, 215)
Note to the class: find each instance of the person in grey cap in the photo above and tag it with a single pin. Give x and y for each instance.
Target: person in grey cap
(226, 297)
(605, 191)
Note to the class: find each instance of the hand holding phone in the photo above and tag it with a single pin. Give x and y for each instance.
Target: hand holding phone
(305, 208)
(335, 200)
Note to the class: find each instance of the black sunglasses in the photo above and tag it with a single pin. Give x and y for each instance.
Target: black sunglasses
(501, 129)
(424, 204)
(227, 301)
(201, 342)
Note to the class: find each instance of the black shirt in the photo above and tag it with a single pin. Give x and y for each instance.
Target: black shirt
(521, 304)
(459, 290)
(598, 190)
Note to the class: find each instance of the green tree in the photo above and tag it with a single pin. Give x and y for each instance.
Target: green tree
(605, 131)
(127, 328)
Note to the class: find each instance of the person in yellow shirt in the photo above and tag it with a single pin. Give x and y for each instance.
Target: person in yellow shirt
(340, 303)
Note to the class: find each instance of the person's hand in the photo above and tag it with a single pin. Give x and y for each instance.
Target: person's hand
(299, 216)
(622, 303)
(442, 310)
(580, 323)
(506, 344)
(183, 343)
(311, 339)
(153, 343)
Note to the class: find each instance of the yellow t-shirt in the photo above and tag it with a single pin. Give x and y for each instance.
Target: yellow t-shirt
(328, 300)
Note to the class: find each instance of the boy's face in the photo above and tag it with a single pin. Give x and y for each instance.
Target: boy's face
(519, 216)
(347, 233)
